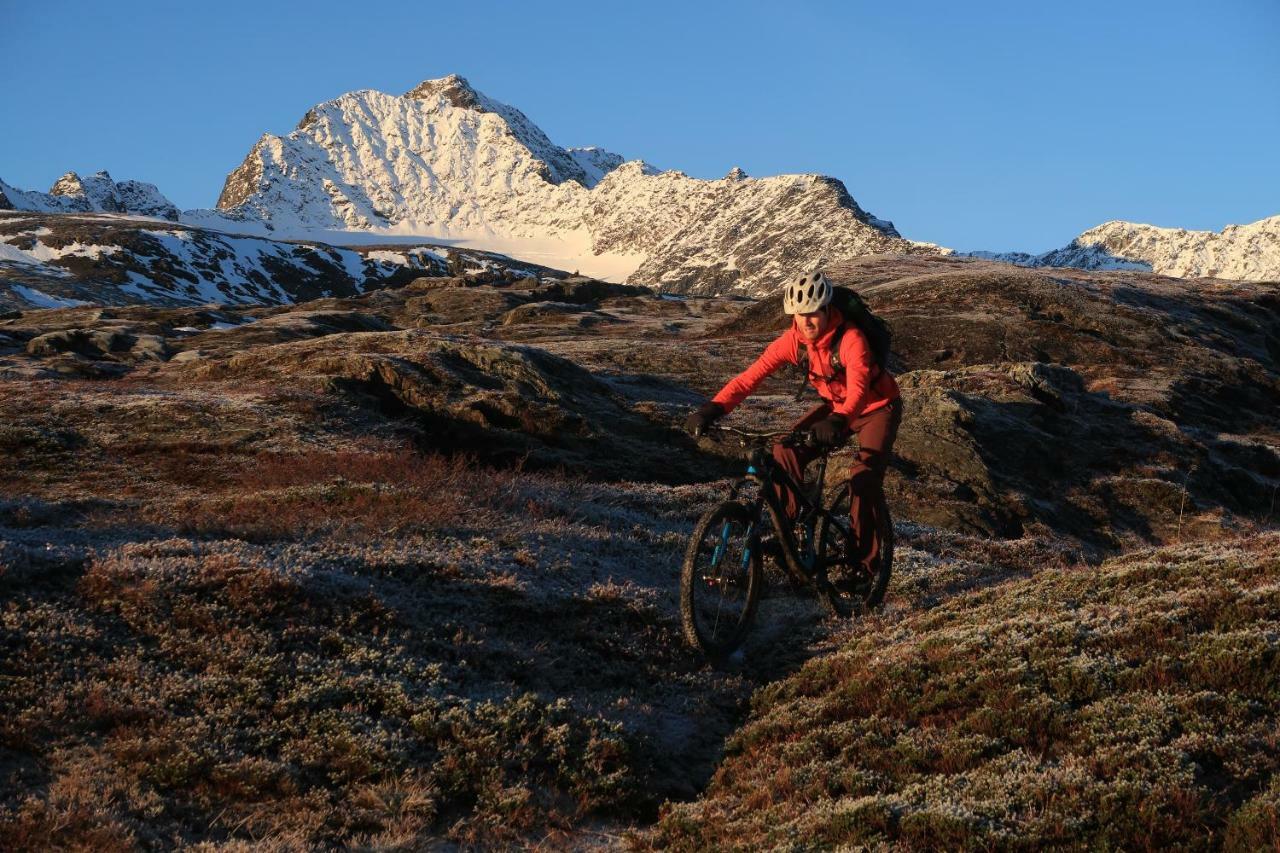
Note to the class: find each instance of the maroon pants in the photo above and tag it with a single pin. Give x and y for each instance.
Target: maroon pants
(876, 432)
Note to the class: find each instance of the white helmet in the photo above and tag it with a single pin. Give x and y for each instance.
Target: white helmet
(807, 293)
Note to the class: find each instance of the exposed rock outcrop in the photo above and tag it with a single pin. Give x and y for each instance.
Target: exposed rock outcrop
(1103, 407)
(1110, 406)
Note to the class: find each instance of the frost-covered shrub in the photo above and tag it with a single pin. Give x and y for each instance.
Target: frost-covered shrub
(1128, 705)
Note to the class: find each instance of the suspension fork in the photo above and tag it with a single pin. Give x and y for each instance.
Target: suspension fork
(752, 532)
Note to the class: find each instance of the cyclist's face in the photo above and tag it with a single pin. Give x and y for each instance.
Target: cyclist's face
(811, 325)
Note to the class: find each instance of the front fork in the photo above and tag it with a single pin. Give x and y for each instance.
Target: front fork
(753, 541)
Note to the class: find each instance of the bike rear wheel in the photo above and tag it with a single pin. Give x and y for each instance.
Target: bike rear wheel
(721, 580)
(849, 588)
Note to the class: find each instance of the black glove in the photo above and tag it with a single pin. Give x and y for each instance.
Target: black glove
(707, 414)
(831, 430)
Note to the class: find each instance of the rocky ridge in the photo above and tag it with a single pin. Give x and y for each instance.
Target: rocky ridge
(453, 165)
(98, 193)
(1242, 252)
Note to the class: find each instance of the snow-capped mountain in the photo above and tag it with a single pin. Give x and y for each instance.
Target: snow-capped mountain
(1242, 252)
(446, 165)
(97, 193)
(446, 161)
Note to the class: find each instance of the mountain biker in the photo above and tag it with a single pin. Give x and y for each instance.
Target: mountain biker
(863, 399)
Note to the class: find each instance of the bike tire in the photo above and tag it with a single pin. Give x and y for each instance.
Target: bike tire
(718, 597)
(847, 589)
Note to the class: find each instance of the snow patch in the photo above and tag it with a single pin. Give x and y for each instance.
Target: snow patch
(15, 255)
(40, 253)
(45, 300)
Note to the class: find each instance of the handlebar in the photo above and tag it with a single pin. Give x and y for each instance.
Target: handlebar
(747, 437)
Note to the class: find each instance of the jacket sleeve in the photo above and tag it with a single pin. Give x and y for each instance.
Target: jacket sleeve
(781, 351)
(858, 367)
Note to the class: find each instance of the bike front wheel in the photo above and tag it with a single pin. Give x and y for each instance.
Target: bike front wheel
(849, 587)
(721, 580)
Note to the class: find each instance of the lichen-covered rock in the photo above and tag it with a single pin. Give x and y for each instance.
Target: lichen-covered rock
(536, 311)
(99, 343)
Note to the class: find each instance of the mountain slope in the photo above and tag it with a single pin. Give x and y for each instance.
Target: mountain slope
(97, 193)
(1241, 252)
(62, 260)
(447, 161)
(249, 602)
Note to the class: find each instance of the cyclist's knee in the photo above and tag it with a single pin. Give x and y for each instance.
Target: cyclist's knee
(871, 457)
(782, 454)
(865, 480)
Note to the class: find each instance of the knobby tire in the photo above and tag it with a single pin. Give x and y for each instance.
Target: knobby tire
(718, 600)
(848, 589)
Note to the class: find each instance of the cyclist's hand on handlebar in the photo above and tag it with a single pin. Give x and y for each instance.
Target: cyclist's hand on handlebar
(831, 430)
(705, 415)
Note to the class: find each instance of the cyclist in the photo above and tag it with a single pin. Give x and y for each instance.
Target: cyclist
(860, 398)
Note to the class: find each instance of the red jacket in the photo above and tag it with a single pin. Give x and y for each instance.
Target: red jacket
(851, 395)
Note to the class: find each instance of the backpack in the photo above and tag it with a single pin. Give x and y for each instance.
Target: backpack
(855, 311)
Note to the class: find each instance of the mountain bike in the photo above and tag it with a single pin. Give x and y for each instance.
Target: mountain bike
(722, 577)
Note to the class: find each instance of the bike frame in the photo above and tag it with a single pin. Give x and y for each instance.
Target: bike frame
(765, 475)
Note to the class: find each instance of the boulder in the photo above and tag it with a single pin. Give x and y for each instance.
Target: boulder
(93, 343)
(532, 312)
(150, 347)
(583, 291)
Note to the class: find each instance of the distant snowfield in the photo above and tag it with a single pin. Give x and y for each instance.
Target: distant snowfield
(570, 255)
(570, 252)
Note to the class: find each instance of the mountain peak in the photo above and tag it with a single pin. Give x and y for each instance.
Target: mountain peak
(97, 193)
(69, 184)
(454, 88)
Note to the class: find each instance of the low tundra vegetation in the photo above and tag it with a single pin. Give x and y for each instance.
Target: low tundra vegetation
(363, 646)
(353, 493)
(1130, 705)
(211, 692)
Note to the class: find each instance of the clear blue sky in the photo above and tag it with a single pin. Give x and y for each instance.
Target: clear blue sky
(996, 125)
